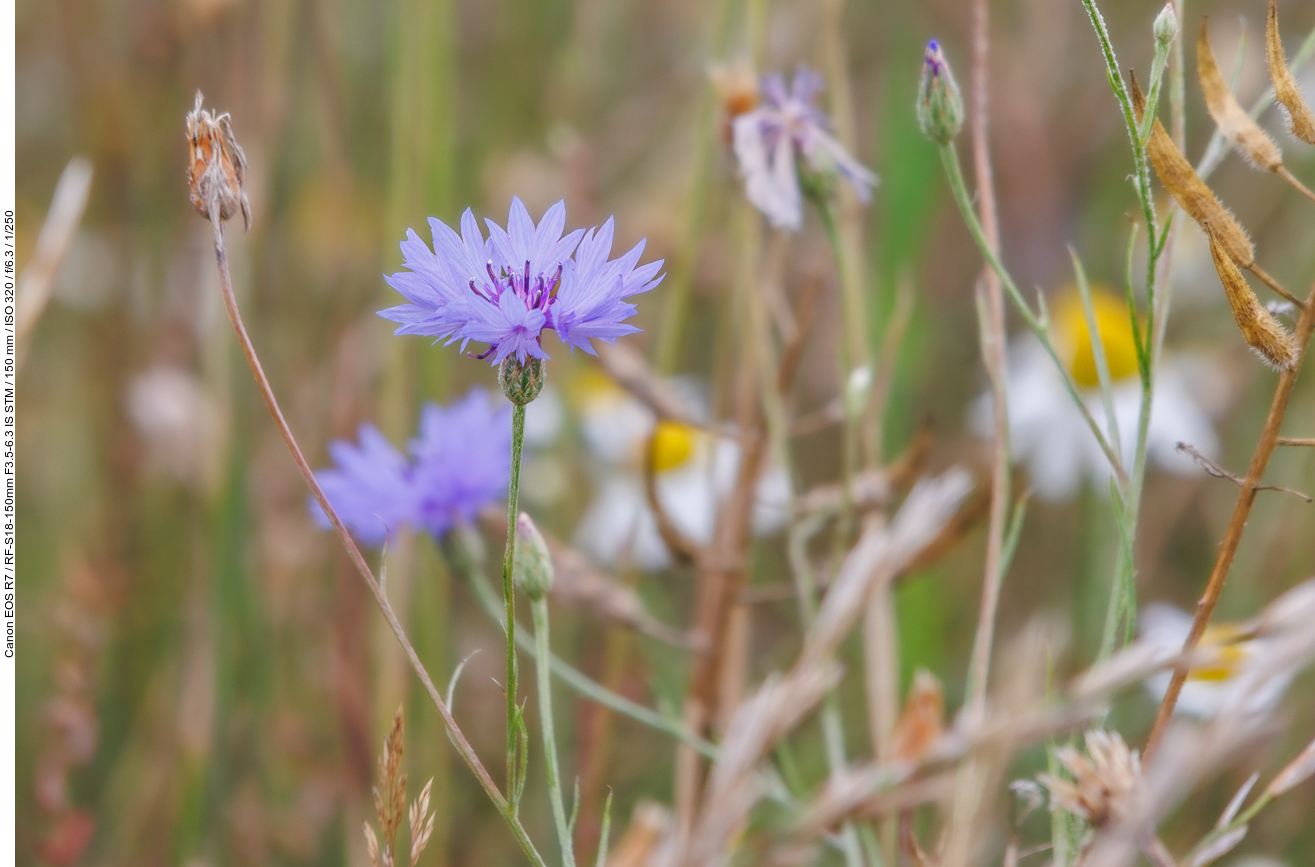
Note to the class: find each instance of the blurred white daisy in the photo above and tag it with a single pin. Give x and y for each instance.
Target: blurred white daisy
(1048, 432)
(694, 471)
(1217, 680)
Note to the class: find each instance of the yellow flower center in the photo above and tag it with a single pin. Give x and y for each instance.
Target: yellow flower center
(1224, 643)
(1114, 327)
(592, 387)
(672, 445)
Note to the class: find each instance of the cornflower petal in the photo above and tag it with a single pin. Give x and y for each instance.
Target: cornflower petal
(505, 289)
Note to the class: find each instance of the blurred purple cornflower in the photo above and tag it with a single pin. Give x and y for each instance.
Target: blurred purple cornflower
(506, 290)
(784, 128)
(459, 464)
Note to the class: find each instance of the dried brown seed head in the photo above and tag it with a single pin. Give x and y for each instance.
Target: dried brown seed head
(372, 845)
(421, 822)
(1300, 120)
(1191, 193)
(1233, 121)
(922, 720)
(390, 794)
(1103, 780)
(216, 168)
(1261, 330)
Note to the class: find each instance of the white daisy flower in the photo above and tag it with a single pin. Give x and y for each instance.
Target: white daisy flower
(1220, 679)
(694, 472)
(1048, 432)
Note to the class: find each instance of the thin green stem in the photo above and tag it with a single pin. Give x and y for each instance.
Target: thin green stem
(950, 160)
(573, 677)
(508, 590)
(542, 664)
(847, 354)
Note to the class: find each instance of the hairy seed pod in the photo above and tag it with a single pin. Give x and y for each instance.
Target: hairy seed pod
(1182, 182)
(1233, 121)
(1261, 330)
(1300, 120)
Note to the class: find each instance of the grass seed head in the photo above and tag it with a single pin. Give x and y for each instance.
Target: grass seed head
(1182, 182)
(390, 794)
(1233, 121)
(1261, 330)
(1301, 122)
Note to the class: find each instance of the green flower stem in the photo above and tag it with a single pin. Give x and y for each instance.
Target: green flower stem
(573, 677)
(950, 160)
(508, 591)
(542, 664)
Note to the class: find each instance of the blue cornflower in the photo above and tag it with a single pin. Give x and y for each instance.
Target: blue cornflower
(462, 460)
(507, 289)
(785, 128)
(459, 463)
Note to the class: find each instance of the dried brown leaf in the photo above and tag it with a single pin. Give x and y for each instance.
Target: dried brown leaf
(1301, 122)
(1260, 329)
(1182, 182)
(1233, 121)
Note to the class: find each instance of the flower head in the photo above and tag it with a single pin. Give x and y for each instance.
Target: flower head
(370, 486)
(940, 105)
(461, 460)
(1103, 780)
(459, 463)
(1048, 431)
(507, 289)
(693, 471)
(216, 168)
(1225, 659)
(785, 128)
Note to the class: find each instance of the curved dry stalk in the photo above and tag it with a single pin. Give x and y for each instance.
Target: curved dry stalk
(466, 751)
(1269, 440)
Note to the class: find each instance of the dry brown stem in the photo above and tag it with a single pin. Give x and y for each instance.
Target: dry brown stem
(1213, 469)
(61, 223)
(993, 357)
(462, 745)
(1237, 524)
(1300, 120)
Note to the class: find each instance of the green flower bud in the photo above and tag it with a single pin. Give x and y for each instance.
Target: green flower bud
(1166, 26)
(940, 105)
(532, 571)
(521, 383)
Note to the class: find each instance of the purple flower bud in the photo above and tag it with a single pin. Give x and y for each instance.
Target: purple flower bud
(940, 105)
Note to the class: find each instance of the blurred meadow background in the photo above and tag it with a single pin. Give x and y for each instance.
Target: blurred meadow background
(202, 678)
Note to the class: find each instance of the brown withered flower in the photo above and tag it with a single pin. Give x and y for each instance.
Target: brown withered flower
(1103, 780)
(922, 720)
(736, 85)
(216, 168)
